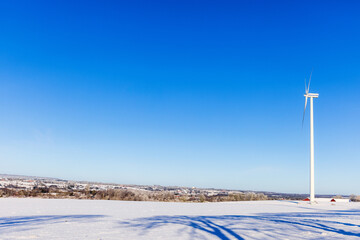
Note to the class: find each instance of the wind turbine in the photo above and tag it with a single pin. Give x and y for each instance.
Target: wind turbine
(311, 96)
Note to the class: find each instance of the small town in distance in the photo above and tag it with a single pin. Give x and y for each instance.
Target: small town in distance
(29, 186)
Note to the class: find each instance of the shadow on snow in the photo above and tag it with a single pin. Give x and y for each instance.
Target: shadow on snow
(262, 225)
(10, 222)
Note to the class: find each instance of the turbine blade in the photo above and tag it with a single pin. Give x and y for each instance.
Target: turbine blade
(304, 111)
(309, 82)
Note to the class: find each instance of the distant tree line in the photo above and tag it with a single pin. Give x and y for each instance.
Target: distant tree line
(127, 195)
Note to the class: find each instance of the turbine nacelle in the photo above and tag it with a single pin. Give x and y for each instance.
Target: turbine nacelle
(311, 95)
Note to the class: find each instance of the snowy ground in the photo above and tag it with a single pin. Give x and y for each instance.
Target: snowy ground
(90, 219)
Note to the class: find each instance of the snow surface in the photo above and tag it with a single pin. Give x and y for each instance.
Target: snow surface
(92, 219)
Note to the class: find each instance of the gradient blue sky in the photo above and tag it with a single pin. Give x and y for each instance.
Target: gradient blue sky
(191, 93)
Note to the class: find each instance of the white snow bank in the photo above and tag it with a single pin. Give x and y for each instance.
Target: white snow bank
(90, 219)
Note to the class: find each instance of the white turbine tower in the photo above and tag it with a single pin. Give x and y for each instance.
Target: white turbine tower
(311, 96)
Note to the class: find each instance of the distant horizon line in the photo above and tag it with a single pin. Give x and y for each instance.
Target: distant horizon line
(212, 188)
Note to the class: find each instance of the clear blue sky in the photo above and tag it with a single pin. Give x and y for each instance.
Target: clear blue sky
(189, 93)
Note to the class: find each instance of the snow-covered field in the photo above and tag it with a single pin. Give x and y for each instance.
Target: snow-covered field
(90, 219)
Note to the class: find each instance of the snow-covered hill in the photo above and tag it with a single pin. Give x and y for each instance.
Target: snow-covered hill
(91, 219)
